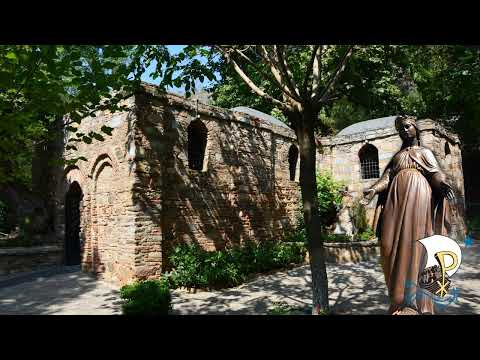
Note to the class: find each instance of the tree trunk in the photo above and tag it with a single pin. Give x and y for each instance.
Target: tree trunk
(308, 184)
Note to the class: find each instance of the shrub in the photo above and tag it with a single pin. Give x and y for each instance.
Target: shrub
(335, 238)
(150, 297)
(188, 261)
(329, 197)
(197, 268)
(329, 193)
(366, 235)
(288, 253)
(359, 217)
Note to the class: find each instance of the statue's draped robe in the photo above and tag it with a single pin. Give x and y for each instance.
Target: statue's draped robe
(411, 209)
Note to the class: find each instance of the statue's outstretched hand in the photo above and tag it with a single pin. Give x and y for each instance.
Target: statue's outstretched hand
(368, 195)
(448, 192)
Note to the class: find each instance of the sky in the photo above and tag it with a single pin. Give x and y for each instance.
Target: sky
(174, 49)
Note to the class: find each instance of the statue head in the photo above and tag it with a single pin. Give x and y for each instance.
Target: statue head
(407, 128)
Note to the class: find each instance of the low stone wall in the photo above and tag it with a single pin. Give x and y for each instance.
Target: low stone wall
(20, 259)
(351, 252)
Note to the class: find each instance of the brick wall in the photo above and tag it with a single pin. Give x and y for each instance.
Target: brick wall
(141, 198)
(108, 213)
(242, 193)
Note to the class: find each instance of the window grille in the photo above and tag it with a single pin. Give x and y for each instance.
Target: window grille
(369, 162)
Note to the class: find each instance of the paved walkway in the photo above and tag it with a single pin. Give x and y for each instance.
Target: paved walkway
(65, 291)
(354, 289)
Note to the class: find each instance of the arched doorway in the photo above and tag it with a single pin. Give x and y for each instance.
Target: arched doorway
(72, 224)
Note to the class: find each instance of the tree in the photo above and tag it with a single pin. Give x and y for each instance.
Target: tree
(375, 84)
(299, 81)
(441, 82)
(39, 84)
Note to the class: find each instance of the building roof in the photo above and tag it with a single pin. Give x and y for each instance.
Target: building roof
(369, 125)
(260, 115)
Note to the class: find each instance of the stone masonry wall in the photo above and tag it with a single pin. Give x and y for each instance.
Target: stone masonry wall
(243, 193)
(108, 213)
(140, 198)
(22, 259)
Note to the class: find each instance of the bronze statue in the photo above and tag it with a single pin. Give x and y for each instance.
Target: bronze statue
(412, 205)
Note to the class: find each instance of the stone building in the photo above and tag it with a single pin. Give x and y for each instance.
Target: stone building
(177, 171)
(174, 171)
(359, 154)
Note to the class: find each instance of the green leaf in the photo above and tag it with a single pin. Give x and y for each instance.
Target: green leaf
(11, 55)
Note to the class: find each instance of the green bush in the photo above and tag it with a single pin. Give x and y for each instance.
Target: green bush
(335, 238)
(194, 267)
(329, 197)
(150, 297)
(366, 235)
(359, 217)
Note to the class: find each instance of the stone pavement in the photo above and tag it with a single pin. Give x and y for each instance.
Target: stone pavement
(65, 291)
(354, 289)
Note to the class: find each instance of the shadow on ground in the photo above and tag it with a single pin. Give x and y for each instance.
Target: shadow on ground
(352, 286)
(354, 289)
(62, 293)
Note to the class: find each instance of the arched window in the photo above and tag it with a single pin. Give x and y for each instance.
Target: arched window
(197, 142)
(447, 149)
(292, 161)
(368, 155)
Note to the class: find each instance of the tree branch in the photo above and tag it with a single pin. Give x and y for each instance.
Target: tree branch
(334, 78)
(277, 74)
(309, 71)
(262, 73)
(317, 71)
(250, 83)
(286, 70)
